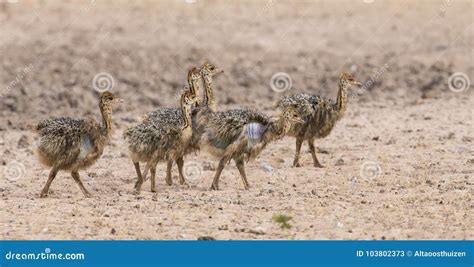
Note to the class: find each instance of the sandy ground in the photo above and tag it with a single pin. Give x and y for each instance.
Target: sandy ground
(400, 165)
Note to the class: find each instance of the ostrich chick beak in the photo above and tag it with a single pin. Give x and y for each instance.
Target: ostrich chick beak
(357, 83)
(298, 120)
(119, 100)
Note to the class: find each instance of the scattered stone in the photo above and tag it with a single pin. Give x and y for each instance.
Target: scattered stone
(256, 231)
(466, 139)
(458, 149)
(363, 201)
(470, 161)
(45, 230)
(375, 138)
(382, 191)
(113, 231)
(223, 227)
(208, 166)
(383, 237)
(280, 160)
(340, 225)
(206, 238)
(23, 142)
(450, 135)
(339, 162)
(391, 141)
(323, 151)
(266, 167)
(294, 185)
(427, 118)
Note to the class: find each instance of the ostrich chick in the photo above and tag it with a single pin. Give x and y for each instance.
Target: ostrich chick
(152, 143)
(320, 120)
(74, 144)
(241, 135)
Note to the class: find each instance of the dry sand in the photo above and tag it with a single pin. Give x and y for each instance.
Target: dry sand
(400, 165)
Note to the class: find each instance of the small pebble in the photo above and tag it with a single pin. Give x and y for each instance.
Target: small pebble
(223, 227)
(339, 162)
(23, 142)
(266, 167)
(257, 231)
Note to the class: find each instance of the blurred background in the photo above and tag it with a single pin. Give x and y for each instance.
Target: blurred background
(52, 50)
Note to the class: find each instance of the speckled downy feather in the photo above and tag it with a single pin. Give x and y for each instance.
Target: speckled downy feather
(74, 144)
(320, 119)
(163, 135)
(241, 135)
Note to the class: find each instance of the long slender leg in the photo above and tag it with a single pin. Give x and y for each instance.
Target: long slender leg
(313, 153)
(139, 182)
(145, 171)
(76, 177)
(299, 142)
(180, 163)
(215, 182)
(241, 168)
(153, 172)
(52, 175)
(169, 166)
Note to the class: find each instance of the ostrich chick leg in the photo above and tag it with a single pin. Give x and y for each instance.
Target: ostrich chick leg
(76, 177)
(241, 168)
(313, 153)
(52, 175)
